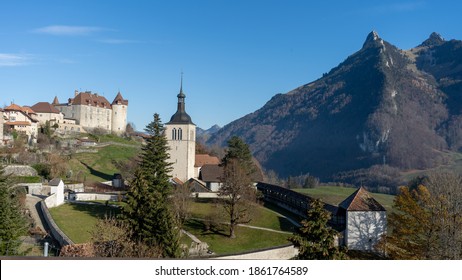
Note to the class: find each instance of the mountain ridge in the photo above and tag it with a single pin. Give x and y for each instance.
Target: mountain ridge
(370, 109)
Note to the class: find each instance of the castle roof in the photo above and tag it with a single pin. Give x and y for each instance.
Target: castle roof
(119, 100)
(45, 107)
(90, 99)
(361, 200)
(55, 101)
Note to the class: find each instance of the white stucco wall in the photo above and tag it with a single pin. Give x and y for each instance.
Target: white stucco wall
(119, 118)
(44, 117)
(364, 229)
(214, 186)
(182, 152)
(58, 192)
(93, 196)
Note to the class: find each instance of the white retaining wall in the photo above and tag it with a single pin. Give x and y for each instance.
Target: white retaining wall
(55, 231)
(282, 253)
(93, 196)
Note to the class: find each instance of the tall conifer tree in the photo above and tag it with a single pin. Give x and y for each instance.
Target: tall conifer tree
(147, 211)
(12, 221)
(315, 240)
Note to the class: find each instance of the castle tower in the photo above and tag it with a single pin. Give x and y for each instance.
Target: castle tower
(119, 114)
(181, 136)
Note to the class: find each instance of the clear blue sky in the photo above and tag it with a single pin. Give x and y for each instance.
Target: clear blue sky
(235, 55)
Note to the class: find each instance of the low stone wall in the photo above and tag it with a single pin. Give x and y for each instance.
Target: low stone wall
(94, 196)
(75, 187)
(205, 194)
(55, 231)
(279, 253)
(19, 170)
(34, 188)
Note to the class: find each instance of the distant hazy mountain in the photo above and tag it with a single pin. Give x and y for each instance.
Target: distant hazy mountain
(381, 105)
(202, 135)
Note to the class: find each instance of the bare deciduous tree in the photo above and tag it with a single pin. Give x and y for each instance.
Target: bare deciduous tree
(238, 195)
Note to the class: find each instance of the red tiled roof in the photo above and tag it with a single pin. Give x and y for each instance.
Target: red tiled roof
(203, 159)
(361, 200)
(119, 100)
(177, 181)
(45, 107)
(93, 99)
(18, 123)
(14, 107)
(28, 110)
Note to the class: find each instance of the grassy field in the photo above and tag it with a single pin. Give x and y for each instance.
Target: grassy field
(262, 216)
(99, 166)
(78, 220)
(334, 195)
(247, 239)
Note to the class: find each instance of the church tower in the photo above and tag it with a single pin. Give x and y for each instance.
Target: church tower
(181, 136)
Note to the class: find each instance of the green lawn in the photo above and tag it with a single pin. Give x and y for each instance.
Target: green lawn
(78, 220)
(262, 216)
(99, 166)
(334, 195)
(247, 239)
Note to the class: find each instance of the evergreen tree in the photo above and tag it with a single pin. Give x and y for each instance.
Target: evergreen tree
(314, 239)
(240, 151)
(147, 212)
(12, 221)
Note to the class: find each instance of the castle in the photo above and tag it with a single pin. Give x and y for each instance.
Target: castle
(92, 111)
(87, 111)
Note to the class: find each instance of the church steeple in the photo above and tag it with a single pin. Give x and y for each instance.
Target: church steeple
(181, 117)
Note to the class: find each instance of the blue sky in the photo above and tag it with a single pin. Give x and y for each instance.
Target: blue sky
(235, 55)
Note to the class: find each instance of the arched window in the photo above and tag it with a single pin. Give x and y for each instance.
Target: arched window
(180, 134)
(174, 134)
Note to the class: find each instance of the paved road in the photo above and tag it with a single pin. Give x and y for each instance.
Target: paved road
(33, 204)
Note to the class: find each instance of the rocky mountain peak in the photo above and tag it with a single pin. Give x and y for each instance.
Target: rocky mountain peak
(435, 39)
(372, 39)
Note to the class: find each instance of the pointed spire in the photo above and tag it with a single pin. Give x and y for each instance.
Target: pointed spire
(181, 94)
(55, 101)
(181, 117)
(119, 100)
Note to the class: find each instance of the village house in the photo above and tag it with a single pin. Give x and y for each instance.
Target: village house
(21, 119)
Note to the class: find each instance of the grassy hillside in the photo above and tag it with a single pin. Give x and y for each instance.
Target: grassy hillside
(454, 164)
(334, 195)
(98, 163)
